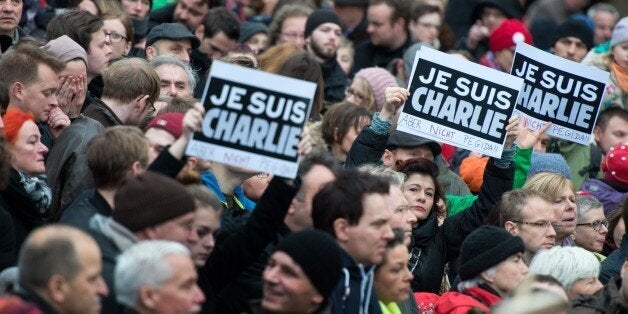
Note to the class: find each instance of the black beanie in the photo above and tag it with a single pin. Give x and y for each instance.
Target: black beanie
(318, 17)
(511, 8)
(150, 199)
(318, 254)
(574, 28)
(486, 247)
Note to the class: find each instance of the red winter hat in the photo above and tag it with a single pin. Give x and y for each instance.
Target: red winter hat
(508, 34)
(615, 165)
(171, 122)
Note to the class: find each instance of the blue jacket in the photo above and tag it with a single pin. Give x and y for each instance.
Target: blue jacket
(355, 293)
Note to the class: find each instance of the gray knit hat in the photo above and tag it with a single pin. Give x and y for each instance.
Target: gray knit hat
(65, 49)
(620, 33)
(548, 162)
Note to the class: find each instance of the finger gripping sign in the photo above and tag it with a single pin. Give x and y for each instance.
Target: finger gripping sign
(458, 102)
(253, 119)
(560, 91)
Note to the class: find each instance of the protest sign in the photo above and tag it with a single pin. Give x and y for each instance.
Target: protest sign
(253, 119)
(458, 102)
(560, 91)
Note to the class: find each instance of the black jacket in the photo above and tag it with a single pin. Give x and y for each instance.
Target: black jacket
(436, 246)
(368, 55)
(88, 203)
(100, 112)
(235, 252)
(335, 81)
(8, 251)
(355, 292)
(164, 14)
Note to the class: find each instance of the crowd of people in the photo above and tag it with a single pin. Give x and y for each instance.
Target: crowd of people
(102, 211)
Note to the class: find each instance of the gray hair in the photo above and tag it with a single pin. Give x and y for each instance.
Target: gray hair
(393, 177)
(144, 264)
(585, 203)
(476, 281)
(566, 264)
(164, 59)
(605, 7)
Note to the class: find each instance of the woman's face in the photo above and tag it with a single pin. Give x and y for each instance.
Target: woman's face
(426, 28)
(419, 191)
(508, 274)
(586, 236)
(258, 42)
(565, 207)
(89, 6)
(347, 140)
(359, 93)
(28, 151)
(137, 9)
(117, 38)
(585, 286)
(344, 56)
(619, 231)
(392, 278)
(620, 54)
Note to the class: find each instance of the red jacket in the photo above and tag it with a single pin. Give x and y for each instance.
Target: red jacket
(461, 303)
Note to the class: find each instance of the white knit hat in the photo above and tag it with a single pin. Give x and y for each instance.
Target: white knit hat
(620, 33)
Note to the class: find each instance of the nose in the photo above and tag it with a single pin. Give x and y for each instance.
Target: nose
(524, 267)
(193, 236)
(185, 57)
(603, 229)
(270, 274)
(199, 296)
(299, 41)
(184, 15)
(598, 285)
(108, 50)
(211, 241)
(551, 231)
(102, 288)
(370, 29)
(388, 233)
(409, 275)
(410, 217)
(138, 7)
(172, 91)
(43, 149)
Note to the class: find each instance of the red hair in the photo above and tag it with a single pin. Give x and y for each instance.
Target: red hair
(13, 120)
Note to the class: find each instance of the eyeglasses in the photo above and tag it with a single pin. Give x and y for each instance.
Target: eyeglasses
(596, 225)
(151, 104)
(541, 224)
(115, 37)
(359, 97)
(293, 36)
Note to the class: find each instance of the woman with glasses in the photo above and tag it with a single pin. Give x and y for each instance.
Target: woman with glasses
(118, 33)
(592, 226)
(368, 88)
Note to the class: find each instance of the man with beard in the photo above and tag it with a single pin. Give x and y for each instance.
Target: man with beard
(322, 39)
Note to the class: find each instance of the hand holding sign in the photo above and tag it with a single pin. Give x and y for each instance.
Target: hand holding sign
(192, 120)
(395, 98)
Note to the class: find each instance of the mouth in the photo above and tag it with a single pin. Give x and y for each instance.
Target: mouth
(419, 208)
(569, 221)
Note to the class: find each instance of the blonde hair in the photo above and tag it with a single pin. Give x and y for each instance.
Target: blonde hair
(549, 184)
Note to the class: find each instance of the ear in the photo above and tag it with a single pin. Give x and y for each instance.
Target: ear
(147, 297)
(147, 233)
(388, 158)
(128, 47)
(487, 278)
(511, 227)
(17, 90)
(292, 209)
(317, 299)
(340, 227)
(141, 102)
(136, 168)
(151, 53)
(191, 163)
(57, 288)
(597, 133)
(402, 23)
(200, 32)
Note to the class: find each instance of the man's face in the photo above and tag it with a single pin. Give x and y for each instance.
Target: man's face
(366, 241)
(615, 133)
(217, 45)
(492, 18)
(10, 15)
(173, 81)
(85, 290)
(382, 30)
(180, 294)
(536, 237)
(40, 97)
(287, 289)
(402, 154)
(180, 49)
(190, 12)
(180, 229)
(137, 9)
(312, 182)
(402, 217)
(206, 224)
(324, 41)
(570, 48)
(158, 140)
(98, 54)
(604, 23)
(292, 30)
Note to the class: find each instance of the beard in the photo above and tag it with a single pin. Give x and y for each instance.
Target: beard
(322, 52)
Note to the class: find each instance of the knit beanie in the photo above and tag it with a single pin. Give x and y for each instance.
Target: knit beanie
(620, 32)
(318, 255)
(486, 247)
(13, 120)
(65, 49)
(577, 29)
(171, 122)
(510, 8)
(472, 172)
(319, 17)
(548, 162)
(615, 165)
(150, 199)
(250, 29)
(508, 34)
(378, 79)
